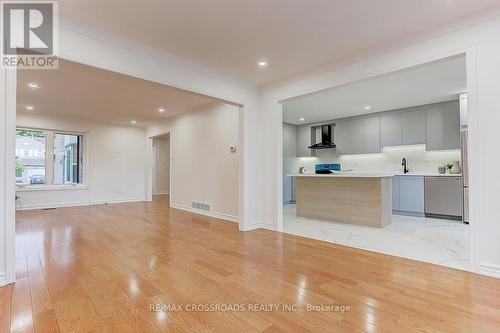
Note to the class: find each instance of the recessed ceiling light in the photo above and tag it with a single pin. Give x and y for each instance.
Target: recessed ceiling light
(367, 107)
(133, 121)
(161, 109)
(302, 119)
(33, 85)
(29, 107)
(262, 63)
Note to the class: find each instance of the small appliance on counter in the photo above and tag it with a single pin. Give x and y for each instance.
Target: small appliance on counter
(327, 168)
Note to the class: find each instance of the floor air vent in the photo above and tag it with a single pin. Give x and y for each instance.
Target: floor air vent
(200, 205)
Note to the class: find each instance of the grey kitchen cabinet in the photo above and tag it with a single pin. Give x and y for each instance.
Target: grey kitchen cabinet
(304, 141)
(434, 129)
(341, 136)
(451, 122)
(289, 140)
(356, 136)
(390, 130)
(371, 135)
(443, 196)
(411, 194)
(413, 127)
(395, 193)
(436, 125)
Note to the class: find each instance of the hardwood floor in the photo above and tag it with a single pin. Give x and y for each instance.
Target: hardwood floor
(100, 268)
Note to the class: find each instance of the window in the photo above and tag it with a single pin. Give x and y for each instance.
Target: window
(30, 170)
(46, 157)
(67, 158)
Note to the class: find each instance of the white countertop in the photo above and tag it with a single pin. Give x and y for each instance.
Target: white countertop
(427, 174)
(372, 174)
(345, 175)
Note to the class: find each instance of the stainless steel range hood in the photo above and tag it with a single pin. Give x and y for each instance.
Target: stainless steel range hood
(326, 138)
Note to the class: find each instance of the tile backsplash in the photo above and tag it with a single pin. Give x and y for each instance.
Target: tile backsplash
(389, 160)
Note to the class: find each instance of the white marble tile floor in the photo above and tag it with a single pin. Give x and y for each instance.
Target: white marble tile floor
(436, 241)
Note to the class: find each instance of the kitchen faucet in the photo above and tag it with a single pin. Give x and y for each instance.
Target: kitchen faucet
(404, 164)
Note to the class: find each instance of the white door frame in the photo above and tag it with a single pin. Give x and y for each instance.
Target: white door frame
(473, 149)
(7, 176)
(153, 168)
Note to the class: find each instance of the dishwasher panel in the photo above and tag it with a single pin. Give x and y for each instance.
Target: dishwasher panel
(444, 197)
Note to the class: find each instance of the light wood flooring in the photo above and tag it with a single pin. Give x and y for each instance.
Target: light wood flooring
(100, 268)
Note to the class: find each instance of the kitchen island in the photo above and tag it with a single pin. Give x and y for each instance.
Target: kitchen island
(350, 198)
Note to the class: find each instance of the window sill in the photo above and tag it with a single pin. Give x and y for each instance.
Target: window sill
(29, 188)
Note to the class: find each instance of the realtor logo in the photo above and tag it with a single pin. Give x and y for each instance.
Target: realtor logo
(29, 34)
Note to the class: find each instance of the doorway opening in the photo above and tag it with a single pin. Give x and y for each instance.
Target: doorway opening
(161, 167)
(404, 134)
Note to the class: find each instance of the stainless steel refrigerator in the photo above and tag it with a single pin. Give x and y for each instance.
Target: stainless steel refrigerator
(464, 124)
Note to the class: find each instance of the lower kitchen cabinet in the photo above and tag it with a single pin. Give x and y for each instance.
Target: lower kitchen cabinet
(410, 195)
(395, 193)
(432, 196)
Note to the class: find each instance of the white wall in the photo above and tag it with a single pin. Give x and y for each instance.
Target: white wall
(162, 166)
(480, 43)
(202, 167)
(115, 164)
(289, 161)
(3, 180)
(102, 50)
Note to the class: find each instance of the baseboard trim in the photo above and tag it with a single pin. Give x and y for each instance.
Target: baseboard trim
(162, 193)
(216, 215)
(77, 204)
(405, 213)
(490, 270)
(256, 226)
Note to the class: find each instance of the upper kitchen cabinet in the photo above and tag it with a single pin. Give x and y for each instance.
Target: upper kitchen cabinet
(304, 141)
(443, 127)
(451, 120)
(356, 136)
(413, 127)
(434, 125)
(390, 130)
(289, 140)
(362, 137)
(371, 135)
(341, 136)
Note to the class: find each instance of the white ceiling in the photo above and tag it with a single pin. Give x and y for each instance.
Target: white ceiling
(229, 36)
(429, 83)
(86, 92)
